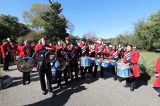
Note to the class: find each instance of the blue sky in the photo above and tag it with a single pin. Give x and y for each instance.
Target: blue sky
(105, 18)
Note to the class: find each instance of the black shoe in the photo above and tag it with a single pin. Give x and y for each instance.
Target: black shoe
(44, 92)
(120, 79)
(28, 82)
(94, 76)
(72, 79)
(77, 79)
(132, 89)
(114, 78)
(5, 69)
(83, 78)
(102, 76)
(126, 85)
(159, 95)
(67, 82)
(23, 83)
(60, 86)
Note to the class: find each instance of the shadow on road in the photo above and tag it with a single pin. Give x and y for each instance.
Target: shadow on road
(143, 80)
(63, 94)
(18, 80)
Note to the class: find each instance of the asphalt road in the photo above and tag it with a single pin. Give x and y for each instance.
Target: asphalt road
(90, 92)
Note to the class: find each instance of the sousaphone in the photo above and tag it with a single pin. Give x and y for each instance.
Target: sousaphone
(25, 64)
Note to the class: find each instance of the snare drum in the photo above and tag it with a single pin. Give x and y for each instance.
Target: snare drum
(123, 71)
(53, 70)
(92, 60)
(98, 62)
(85, 61)
(112, 62)
(57, 64)
(119, 63)
(105, 63)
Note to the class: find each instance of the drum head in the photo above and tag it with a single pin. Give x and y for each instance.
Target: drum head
(105, 61)
(57, 64)
(62, 65)
(98, 60)
(25, 64)
(120, 63)
(92, 58)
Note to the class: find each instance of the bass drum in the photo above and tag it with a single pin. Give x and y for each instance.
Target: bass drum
(25, 64)
(60, 65)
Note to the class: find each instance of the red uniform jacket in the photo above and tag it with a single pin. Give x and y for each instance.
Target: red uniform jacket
(0, 50)
(113, 54)
(40, 47)
(157, 82)
(84, 48)
(101, 51)
(13, 47)
(23, 51)
(4, 50)
(58, 47)
(134, 61)
(19, 49)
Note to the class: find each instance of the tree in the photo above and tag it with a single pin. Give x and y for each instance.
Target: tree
(91, 37)
(31, 36)
(11, 28)
(55, 23)
(148, 32)
(33, 16)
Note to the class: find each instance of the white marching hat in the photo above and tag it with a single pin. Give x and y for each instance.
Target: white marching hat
(9, 40)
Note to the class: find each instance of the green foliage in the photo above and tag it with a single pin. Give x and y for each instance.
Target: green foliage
(11, 28)
(55, 23)
(32, 36)
(146, 34)
(33, 16)
(147, 63)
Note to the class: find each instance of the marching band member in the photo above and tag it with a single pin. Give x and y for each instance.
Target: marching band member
(68, 43)
(1, 60)
(156, 85)
(63, 54)
(9, 49)
(58, 46)
(6, 53)
(13, 52)
(25, 51)
(67, 40)
(100, 50)
(83, 51)
(91, 54)
(73, 53)
(44, 70)
(114, 54)
(131, 58)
